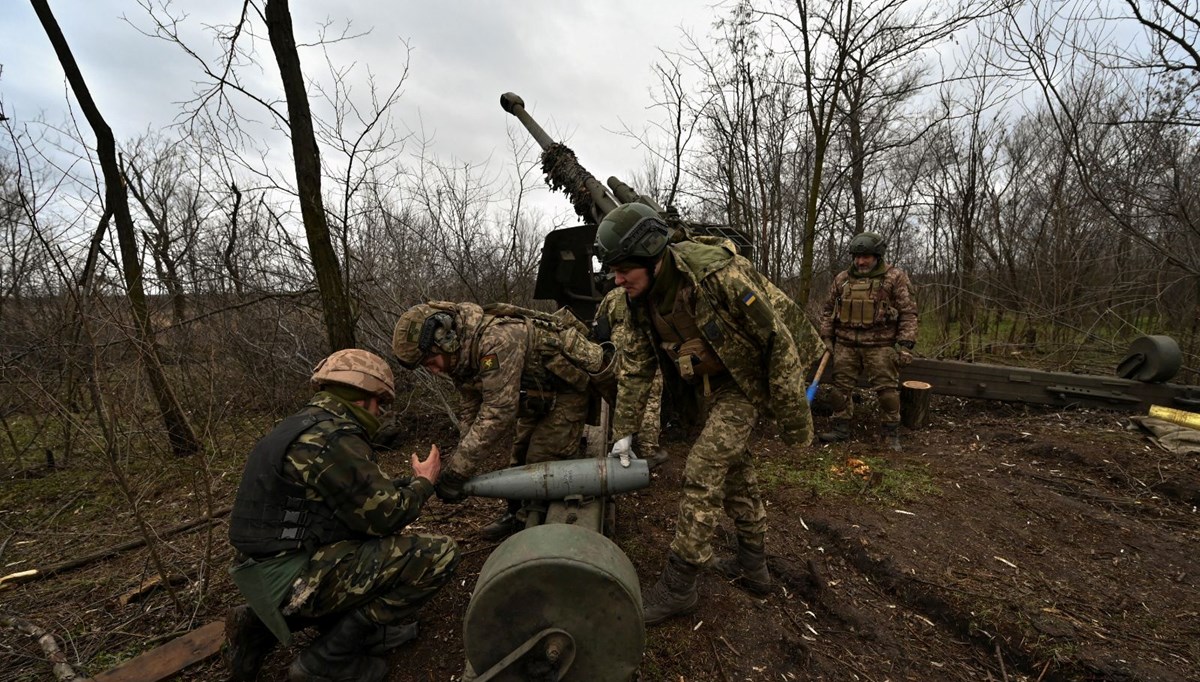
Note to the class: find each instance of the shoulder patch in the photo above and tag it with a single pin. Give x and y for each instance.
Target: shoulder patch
(489, 363)
(757, 309)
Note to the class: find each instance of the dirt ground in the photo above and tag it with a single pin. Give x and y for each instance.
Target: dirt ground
(1004, 543)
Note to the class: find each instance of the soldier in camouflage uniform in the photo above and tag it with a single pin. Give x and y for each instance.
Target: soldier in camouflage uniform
(709, 321)
(609, 327)
(869, 322)
(523, 379)
(317, 528)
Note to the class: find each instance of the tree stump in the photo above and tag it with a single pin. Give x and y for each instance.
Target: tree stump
(914, 403)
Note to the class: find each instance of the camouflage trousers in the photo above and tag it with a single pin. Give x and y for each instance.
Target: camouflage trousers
(882, 370)
(552, 436)
(390, 576)
(649, 431)
(719, 474)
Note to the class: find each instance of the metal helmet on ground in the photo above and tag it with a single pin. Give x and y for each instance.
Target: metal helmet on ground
(868, 244)
(421, 330)
(632, 233)
(359, 369)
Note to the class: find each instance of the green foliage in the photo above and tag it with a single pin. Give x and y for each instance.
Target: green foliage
(830, 476)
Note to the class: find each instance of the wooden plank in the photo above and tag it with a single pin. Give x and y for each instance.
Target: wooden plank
(164, 661)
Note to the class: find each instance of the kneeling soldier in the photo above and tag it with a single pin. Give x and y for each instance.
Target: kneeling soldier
(317, 527)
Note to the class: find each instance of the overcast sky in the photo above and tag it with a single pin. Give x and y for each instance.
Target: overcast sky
(583, 68)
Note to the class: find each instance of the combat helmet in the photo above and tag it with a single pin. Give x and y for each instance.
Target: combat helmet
(631, 233)
(868, 244)
(423, 329)
(359, 369)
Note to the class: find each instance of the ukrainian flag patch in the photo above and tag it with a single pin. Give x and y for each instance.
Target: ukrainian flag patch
(749, 297)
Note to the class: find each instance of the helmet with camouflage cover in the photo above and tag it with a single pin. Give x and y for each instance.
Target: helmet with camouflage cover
(359, 369)
(423, 329)
(868, 244)
(632, 233)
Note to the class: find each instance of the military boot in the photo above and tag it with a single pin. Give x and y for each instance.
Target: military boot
(388, 637)
(747, 570)
(499, 529)
(504, 526)
(339, 656)
(657, 457)
(837, 434)
(891, 436)
(674, 594)
(247, 643)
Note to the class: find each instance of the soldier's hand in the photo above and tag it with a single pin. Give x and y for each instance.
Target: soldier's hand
(449, 488)
(431, 468)
(904, 356)
(828, 341)
(388, 436)
(624, 450)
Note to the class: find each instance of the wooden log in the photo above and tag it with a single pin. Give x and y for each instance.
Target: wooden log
(914, 403)
(168, 659)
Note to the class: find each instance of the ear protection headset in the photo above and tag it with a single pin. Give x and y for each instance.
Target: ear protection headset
(438, 330)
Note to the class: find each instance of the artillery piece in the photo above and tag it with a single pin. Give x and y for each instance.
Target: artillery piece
(558, 600)
(565, 274)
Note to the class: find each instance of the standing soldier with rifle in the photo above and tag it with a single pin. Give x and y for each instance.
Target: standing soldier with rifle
(869, 322)
(711, 322)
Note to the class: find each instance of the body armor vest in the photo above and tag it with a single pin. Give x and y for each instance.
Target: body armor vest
(271, 514)
(679, 336)
(858, 305)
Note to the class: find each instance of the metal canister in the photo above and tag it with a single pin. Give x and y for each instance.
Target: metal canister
(562, 577)
(1181, 417)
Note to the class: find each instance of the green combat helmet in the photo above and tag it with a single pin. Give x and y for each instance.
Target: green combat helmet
(359, 369)
(868, 243)
(423, 329)
(631, 233)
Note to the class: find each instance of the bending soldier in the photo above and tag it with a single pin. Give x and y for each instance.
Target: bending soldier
(523, 378)
(610, 327)
(869, 322)
(708, 320)
(316, 525)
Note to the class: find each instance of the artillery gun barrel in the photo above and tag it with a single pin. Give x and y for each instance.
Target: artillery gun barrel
(563, 171)
(627, 195)
(513, 104)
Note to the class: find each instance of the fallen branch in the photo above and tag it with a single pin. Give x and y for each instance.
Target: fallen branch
(39, 573)
(63, 672)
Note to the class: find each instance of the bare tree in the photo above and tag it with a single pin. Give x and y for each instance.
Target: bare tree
(179, 430)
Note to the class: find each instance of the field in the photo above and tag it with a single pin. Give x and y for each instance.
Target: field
(1004, 543)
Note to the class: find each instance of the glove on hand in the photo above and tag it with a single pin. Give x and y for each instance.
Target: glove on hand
(388, 436)
(624, 450)
(904, 356)
(449, 488)
(828, 341)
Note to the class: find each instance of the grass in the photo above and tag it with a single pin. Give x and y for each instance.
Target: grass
(872, 478)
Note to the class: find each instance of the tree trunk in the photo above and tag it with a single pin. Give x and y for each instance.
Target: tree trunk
(179, 430)
(339, 322)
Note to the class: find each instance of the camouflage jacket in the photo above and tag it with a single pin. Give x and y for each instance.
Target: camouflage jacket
(895, 311)
(500, 357)
(335, 463)
(747, 321)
